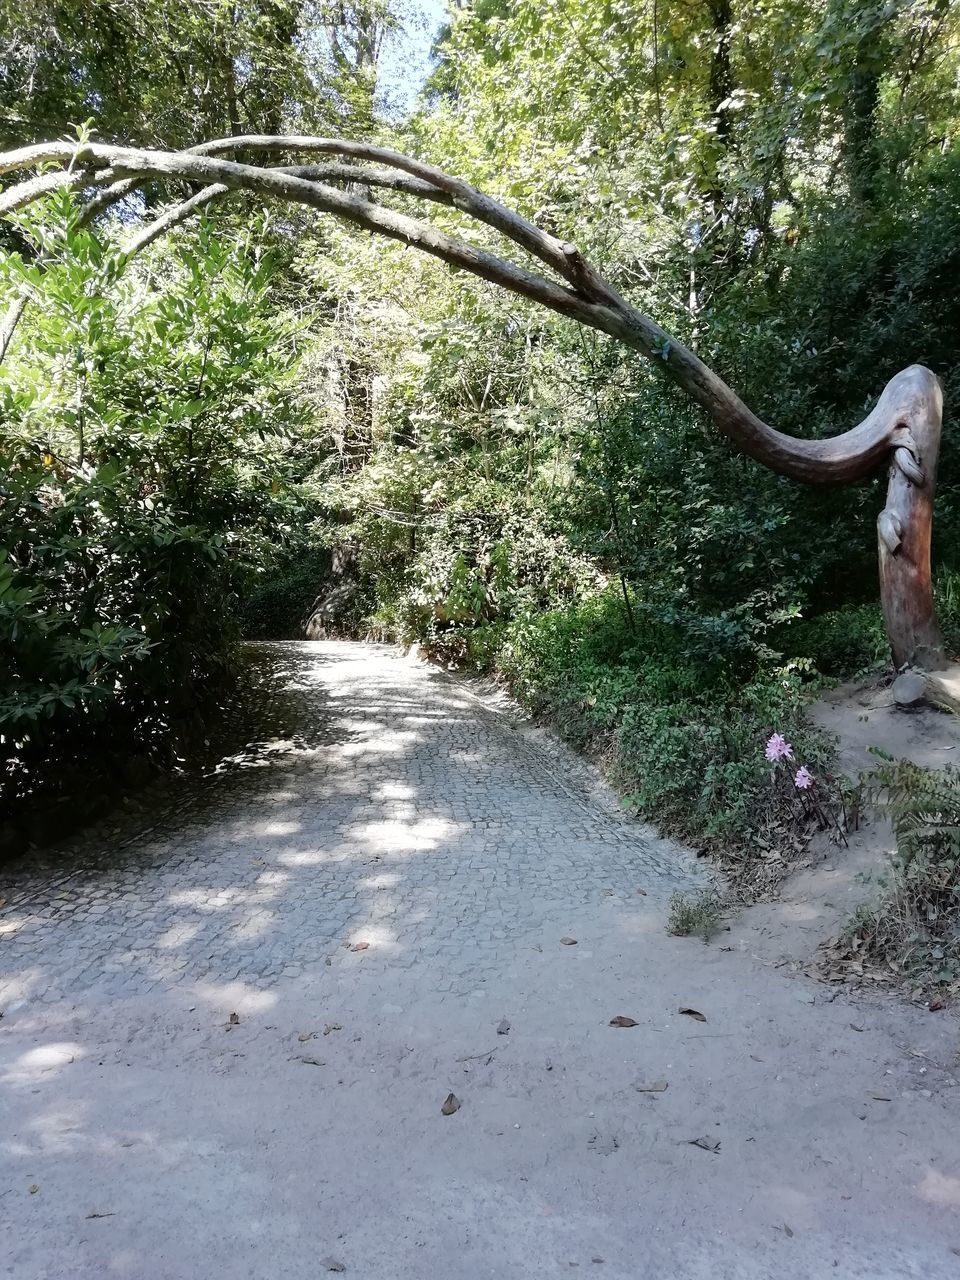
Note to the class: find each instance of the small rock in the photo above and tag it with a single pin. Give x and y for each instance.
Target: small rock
(909, 690)
(450, 1104)
(651, 1086)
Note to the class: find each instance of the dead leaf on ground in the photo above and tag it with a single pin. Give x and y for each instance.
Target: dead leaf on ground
(693, 1013)
(705, 1144)
(311, 1062)
(935, 1005)
(880, 1097)
(33, 1188)
(503, 1027)
(359, 946)
(101, 1215)
(621, 1020)
(451, 1103)
(855, 1027)
(568, 942)
(642, 892)
(787, 1231)
(332, 1264)
(651, 1086)
(332, 1026)
(306, 1035)
(233, 1020)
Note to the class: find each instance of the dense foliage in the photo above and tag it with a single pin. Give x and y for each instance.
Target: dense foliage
(142, 416)
(777, 184)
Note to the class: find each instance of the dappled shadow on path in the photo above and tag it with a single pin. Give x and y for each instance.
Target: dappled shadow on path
(400, 809)
(251, 1015)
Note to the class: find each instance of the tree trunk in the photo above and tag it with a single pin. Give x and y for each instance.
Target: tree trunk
(905, 524)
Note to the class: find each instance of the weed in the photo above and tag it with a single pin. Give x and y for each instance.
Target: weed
(913, 930)
(697, 914)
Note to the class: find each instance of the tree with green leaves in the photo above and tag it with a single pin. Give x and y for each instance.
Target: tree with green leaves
(902, 430)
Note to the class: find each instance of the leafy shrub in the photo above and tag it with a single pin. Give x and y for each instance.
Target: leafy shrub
(136, 480)
(841, 642)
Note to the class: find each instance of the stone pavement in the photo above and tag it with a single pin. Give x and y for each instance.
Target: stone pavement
(225, 1044)
(415, 819)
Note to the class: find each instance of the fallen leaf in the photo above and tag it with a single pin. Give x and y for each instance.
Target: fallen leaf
(935, 1005)
(653, 1086)
(503, 1027)
(621, 1020)
(233, 1020)
(596, 1259)
(101, 1215)
(693, 1013)
(450, 1104)
(787, 1231)
(568, 942)
(705, 1144)
(331, 1264)
(359, 946)
(880, 1097)
(306, 1035)
(855, 1027)
(332, 1026)
(33, 1188)
(311, 1062)
(642, 892)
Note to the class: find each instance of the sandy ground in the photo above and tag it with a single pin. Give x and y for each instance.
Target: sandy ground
(374, 907)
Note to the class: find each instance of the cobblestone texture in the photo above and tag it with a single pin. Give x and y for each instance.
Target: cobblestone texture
(417, 820)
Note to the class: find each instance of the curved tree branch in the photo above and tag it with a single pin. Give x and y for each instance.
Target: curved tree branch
(584, 296)
(903, 428)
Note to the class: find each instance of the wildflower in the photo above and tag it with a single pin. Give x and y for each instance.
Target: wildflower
(804, 778)
(778, 748)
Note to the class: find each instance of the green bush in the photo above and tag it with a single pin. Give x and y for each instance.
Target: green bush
(137, 479)
(277, 599)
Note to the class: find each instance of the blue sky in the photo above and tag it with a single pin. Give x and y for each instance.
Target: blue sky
(405, 61)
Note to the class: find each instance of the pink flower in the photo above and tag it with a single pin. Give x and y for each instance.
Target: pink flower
(804, 778)
(778, 748)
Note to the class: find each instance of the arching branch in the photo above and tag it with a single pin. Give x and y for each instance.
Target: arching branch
(903, 427)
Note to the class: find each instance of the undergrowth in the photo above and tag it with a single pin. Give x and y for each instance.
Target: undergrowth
(911, 934)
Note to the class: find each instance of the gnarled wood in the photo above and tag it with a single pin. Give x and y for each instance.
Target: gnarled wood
(904, 527)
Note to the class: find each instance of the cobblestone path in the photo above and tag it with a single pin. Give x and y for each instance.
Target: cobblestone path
(225, 1044)
(415, 820)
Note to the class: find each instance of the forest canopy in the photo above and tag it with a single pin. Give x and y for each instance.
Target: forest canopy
(267, 407)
